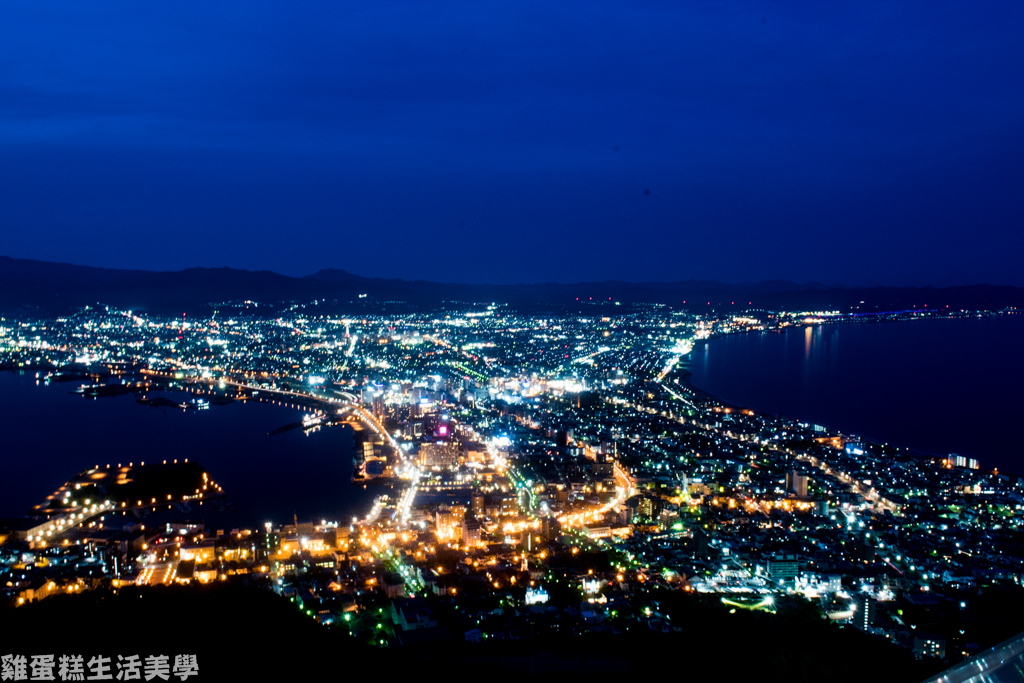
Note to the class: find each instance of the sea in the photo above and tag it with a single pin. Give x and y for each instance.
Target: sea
(50, 434)
(936, 386)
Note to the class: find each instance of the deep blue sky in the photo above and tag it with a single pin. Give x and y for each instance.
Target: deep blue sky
(844, 142)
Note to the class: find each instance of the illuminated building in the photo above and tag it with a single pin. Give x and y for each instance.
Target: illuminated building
(470, 531)
(796, 483)
(202, 552)
(443, 454)
(866, 612)
(783, 568)
(927, 645)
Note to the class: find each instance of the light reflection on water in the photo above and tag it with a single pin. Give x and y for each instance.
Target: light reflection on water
(936, 385)
(50, 435)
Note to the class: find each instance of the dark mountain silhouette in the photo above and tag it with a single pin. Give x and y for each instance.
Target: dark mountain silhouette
(54, 288)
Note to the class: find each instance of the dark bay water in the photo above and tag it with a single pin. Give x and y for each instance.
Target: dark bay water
(49, 435)
(940, 386)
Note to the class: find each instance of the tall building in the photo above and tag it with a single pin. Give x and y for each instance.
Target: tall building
(783, 568)
(865, 618)
(470, 530)
(448, 522)
(796, 483)
(444, 454)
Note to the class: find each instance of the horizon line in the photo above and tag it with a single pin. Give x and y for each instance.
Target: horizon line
(809, 284)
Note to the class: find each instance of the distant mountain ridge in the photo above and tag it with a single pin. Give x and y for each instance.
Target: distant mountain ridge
(55, 288)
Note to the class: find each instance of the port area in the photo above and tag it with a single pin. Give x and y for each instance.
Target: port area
(82, 504)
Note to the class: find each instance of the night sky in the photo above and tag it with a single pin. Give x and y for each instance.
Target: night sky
(842, 142)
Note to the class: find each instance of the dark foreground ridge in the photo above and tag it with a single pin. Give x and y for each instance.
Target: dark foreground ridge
(56, 288)
(242, 633)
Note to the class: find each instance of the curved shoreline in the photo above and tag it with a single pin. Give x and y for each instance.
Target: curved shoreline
(986, 451)
(223, 459)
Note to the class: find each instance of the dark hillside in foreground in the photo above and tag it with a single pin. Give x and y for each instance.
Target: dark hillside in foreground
(57, 288)
(241, 633)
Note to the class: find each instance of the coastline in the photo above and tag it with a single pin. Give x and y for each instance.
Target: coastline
(215, 438)
(807, 365)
